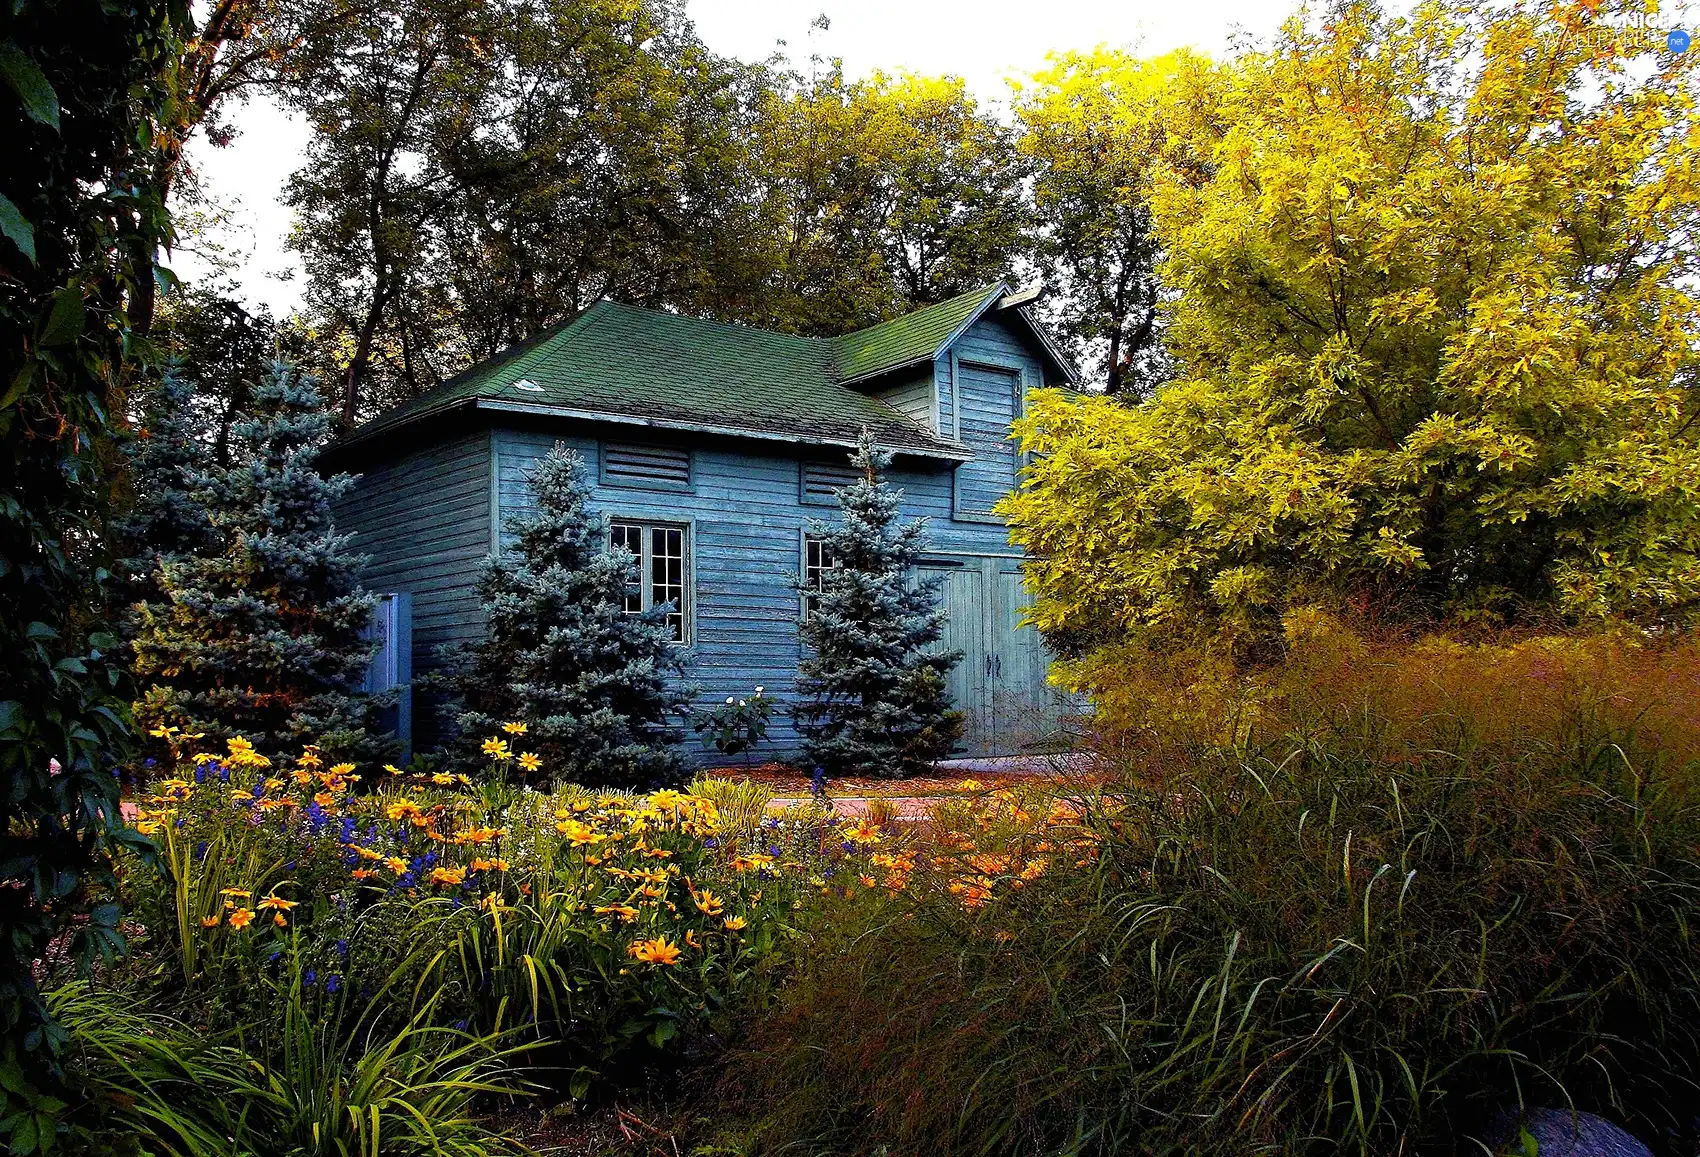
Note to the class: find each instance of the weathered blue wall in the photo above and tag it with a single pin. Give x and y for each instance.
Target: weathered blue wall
(746, 522)
(423, 517)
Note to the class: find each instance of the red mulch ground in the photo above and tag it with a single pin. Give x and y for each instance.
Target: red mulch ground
(787, 783)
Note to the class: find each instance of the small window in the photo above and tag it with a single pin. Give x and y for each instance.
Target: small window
(652, 467)
(821, 481)
(659, 577)
(817, 560)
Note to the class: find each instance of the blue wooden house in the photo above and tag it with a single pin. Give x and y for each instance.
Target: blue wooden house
(711, 447)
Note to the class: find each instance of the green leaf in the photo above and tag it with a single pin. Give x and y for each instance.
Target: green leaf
(17, 228)
(24, 1136)
(40, 102)
(65, 320)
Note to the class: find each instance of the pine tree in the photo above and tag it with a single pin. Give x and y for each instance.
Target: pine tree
(874, 700)
(596, 687)
(262, 634)
(166, 519)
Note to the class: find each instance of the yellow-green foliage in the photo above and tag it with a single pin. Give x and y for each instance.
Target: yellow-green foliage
(1432, 315)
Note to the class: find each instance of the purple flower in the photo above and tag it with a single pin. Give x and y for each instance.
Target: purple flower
(333, 984)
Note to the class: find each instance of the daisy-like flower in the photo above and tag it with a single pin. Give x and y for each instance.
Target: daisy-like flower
(276, 903)
(514, 728)
(579, 834)
(530, 761)
(210, 921)
(708, 903)
(392, 769)
(241, 918)
(447, 875)
(625, 912)
(657, 951)
(735, 923)
(497, 748)
(396, 864)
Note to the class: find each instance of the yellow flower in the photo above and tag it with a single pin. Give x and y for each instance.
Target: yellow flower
(396, 864)
(497, 748)
(277, 902)
(325, 800)
(392, 769)
(752, 862)
(241, 918)
(514, 728)
(657, 951)
(447, 875)
(708, 903)
(735, 923)
(235, 892)
(210, 921)
(864, 831)
(442, 779)
(280, 920)
(579, 834)
(969, 785)
(691, 939)
(530, 761)
(625, 912)
(342, 769)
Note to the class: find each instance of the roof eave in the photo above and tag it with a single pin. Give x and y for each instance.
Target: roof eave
(1071, 375)
(544, 409)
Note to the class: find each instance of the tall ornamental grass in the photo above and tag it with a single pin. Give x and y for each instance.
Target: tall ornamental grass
(1409, 888)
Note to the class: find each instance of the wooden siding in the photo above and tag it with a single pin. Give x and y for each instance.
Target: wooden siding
(913, 396)
(746, 527)
(988, 371)
(423, 518)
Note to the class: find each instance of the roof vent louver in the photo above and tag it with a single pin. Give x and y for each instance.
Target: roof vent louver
(655, 466)
(528, 386)
(822, 480)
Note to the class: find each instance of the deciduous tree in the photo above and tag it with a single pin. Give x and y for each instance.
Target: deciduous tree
(1434, 329)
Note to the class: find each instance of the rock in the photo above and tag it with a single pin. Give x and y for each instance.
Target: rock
(1561, 1133)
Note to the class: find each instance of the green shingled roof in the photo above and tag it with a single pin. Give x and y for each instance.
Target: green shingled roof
(621, 363)
(911, 338)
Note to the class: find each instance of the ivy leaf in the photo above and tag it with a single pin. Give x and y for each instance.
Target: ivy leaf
(26, 79)
(66, 318)
(17, 228)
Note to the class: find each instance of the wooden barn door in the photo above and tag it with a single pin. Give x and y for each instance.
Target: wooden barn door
(1026, 711)
(962, 593)
(999, 685)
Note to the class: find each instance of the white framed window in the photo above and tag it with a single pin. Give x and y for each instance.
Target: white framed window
(817, 560)
(661, 575)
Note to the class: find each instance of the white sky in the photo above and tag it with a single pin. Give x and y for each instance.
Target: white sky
(983, 42)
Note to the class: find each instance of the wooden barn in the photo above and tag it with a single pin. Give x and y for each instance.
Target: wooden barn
(711, 447)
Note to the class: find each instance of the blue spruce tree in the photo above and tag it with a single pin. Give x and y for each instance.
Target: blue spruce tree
(872, 690)
(166, 519)
(262, 633)
(595, 686)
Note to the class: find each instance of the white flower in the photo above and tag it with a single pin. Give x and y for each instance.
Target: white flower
(758, 690)
(728, 700)
(53, 765)
(740, 703)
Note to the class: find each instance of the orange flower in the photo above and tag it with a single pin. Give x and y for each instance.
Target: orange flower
(691, 939)
(735, 923)
(708, 903)
(362, 873)
(657, 951)
(447, 875)
(625, 912)
(241, 918)
(209, 921)
(280, 920)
